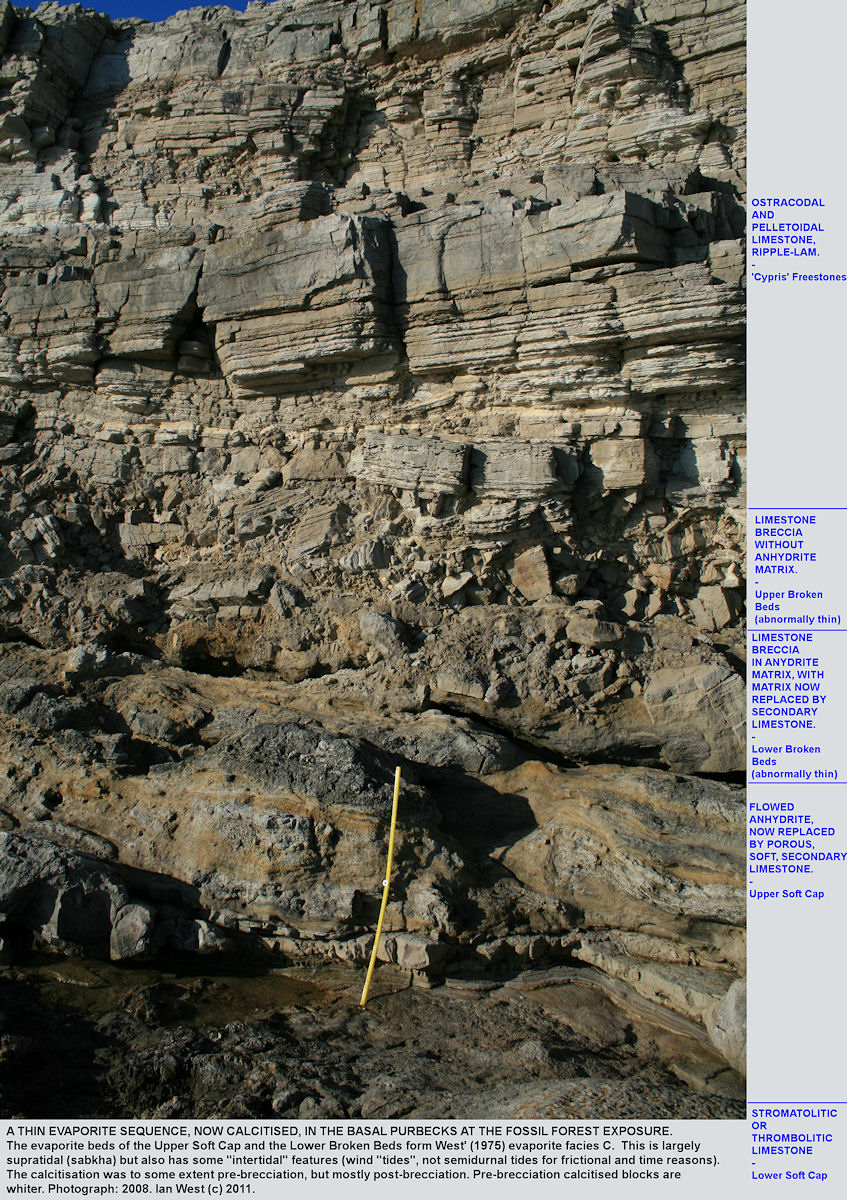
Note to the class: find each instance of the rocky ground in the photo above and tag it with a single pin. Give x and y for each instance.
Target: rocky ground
(89, 1041)
(371, 394)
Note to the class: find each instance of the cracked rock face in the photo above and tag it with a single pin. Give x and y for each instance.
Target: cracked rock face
(371, 392)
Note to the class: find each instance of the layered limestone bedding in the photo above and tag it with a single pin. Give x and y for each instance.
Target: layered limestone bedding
(371, 393)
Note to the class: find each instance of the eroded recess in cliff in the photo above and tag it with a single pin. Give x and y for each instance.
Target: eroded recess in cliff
(395, 365)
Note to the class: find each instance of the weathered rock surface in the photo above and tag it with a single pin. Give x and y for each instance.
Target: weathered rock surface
(263, 810)
(295, 1043)
(75, 903)
(286, 285)
(371, 391)
(728, 1026)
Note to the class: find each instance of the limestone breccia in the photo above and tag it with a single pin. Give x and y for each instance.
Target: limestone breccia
(387, 355)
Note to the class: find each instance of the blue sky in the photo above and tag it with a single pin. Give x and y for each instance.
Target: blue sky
(150, 10)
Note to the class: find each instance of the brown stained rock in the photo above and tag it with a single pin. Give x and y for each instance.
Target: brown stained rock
(715, 607)
(620, 462)
(531, 574)
(612, 839)
(131, 935)
(728, 1026)
(412, 952)
(699, 708)
(593, 633)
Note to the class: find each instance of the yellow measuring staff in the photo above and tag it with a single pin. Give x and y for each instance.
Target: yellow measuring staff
(386, 883)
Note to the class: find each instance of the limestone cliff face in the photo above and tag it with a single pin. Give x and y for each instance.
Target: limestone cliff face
(387, 356)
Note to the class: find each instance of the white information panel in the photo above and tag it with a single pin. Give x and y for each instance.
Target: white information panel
(797, 592)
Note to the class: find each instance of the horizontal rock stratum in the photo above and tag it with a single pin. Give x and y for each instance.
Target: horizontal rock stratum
(371, 392)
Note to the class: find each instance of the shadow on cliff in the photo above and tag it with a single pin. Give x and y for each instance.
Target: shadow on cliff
(476, 816)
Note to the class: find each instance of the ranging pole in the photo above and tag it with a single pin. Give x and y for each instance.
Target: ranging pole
(386, 883)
